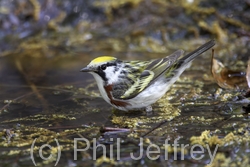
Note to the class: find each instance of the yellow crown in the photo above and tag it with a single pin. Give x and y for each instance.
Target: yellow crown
(102, 59)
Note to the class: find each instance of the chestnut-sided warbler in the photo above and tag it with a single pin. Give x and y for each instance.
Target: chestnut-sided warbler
(130, 85)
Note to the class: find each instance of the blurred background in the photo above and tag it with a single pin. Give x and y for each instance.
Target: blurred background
(44, 44)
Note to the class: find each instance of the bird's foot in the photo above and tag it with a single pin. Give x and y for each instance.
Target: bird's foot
(149, 110)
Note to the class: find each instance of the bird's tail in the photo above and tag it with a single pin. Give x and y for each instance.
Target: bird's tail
(173, 74)
(192, 55)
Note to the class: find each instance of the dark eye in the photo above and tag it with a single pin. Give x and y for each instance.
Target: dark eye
(103, 67)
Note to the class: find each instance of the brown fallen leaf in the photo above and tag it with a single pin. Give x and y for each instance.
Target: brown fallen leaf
(225, 77)
(247, 94)
(248, 73)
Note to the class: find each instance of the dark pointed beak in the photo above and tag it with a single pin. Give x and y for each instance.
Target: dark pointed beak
(87, 69)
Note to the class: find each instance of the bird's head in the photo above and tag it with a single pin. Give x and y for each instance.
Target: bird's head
(106, 67)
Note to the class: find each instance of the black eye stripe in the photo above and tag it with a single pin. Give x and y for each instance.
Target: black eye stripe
(110, 64)
(103, 67)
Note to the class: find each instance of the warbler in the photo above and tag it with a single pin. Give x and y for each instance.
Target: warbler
(132, 85)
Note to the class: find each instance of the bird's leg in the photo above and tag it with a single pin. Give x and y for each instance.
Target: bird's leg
(149, 109)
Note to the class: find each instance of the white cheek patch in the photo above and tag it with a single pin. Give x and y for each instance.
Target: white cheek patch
(112, 75)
